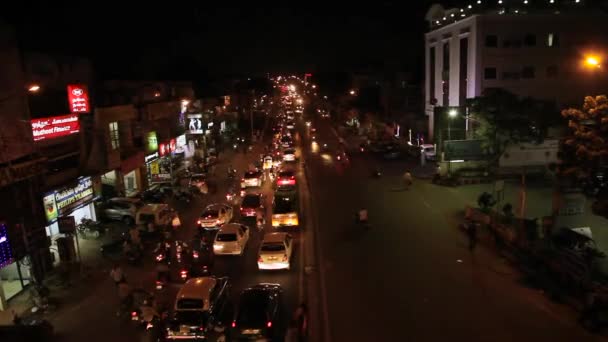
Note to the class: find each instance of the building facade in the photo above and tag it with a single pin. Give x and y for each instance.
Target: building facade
(536, 52)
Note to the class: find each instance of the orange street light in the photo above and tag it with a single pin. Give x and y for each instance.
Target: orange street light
(592, 61)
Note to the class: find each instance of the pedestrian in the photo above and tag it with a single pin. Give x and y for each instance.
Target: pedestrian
(407, 179)
(117, 274)
(301, 319)
(472, 234)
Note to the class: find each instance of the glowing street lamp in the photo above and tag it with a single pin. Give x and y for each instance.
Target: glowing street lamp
(352, 92)
(33, 88)
(592, 61)
(452, 113)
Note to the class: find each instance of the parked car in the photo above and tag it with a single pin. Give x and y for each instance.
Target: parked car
(122, 209)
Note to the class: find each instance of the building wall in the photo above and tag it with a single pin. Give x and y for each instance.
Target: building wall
(558, 71)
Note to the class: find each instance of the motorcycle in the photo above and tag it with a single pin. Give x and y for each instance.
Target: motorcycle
(89, 229)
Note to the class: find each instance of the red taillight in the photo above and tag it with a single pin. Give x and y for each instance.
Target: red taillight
(242, 179)
(260, 259)
(134, 313)
(285, 258)
(269, 324)
(199, 222)
(292, 177)
(234, 324)
(195, 255)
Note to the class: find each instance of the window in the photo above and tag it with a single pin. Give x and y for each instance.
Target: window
(491, 41)
(432, 74)
(552, 40)
(114, 135)
(464, 56)
(529, 40)
(552, 71)
(527, 72)
(489, 73)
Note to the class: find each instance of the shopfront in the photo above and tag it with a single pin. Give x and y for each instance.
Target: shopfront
(73, 200)
(14, 274)
(130, 169)
(158, 170)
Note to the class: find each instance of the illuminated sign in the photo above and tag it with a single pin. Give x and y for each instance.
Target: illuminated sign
(78, 98)
(166, 148)
(195, 124)
(181, 141)
(152, 142)
(6, 256)
(54, 127)
(151, 157)
(60, 202)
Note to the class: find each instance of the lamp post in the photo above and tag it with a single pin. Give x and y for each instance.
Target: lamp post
(452, 113)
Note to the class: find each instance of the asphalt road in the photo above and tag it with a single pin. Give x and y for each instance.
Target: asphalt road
(94, 318)
(411, 276)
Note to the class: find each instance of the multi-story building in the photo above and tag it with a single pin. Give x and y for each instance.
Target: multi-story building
(139, 127)
(533, 49)
(42, 150)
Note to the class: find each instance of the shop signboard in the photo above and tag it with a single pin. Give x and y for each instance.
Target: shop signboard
(67, 224)
(150, 157)
(54, 127)
(181, 141)
(152, 142)
(61, 202)
(78, 97)
(166, 148)
(195, 124)
(6, 255)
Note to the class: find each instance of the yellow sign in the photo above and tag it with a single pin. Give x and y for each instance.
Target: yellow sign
(154, 168)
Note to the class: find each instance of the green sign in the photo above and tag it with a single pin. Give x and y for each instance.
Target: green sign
(152, 142)
(464, 150)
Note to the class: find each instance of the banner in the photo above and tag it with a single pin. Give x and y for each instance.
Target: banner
(54, 127)
(78, 98)
(60, 202)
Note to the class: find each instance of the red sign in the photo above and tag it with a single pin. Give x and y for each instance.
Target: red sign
(308, 75)
(166, 148)
(54, 127)
(78, 97)
(163, 149)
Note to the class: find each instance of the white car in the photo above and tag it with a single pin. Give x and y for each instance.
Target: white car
(251, 179)
(428, 150)
(275, 252)
(215, 215)
(231, 239)
(289, 155)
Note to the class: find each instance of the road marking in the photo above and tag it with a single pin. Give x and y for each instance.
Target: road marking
(426, 204)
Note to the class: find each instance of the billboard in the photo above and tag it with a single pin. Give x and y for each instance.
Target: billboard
(464, 150)
(63, 201)
(54, 127)
(78, 98)
(195, 124)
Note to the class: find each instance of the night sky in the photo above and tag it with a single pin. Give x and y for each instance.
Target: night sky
(207, 39)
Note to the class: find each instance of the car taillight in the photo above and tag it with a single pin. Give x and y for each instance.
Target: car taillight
(242, 179)
(195, 255)
(269, 324)
(285, 258)
(199, 221)
(134, 313)
(218, 221)
(234, 324)
(260, 259)
(159, 257)
(183, 274)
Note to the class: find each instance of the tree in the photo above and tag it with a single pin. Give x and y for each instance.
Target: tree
(587, 143)
(502, 119)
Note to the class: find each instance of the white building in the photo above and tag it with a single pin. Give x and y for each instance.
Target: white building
(537, 52)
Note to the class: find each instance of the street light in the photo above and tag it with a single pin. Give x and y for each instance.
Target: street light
(352, 92)
(314, 86)
(451, 114)
(33, 88)
(592, 61)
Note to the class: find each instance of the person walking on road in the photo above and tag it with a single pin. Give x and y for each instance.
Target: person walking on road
(117, 274)
(407, 180)
(472, 235)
